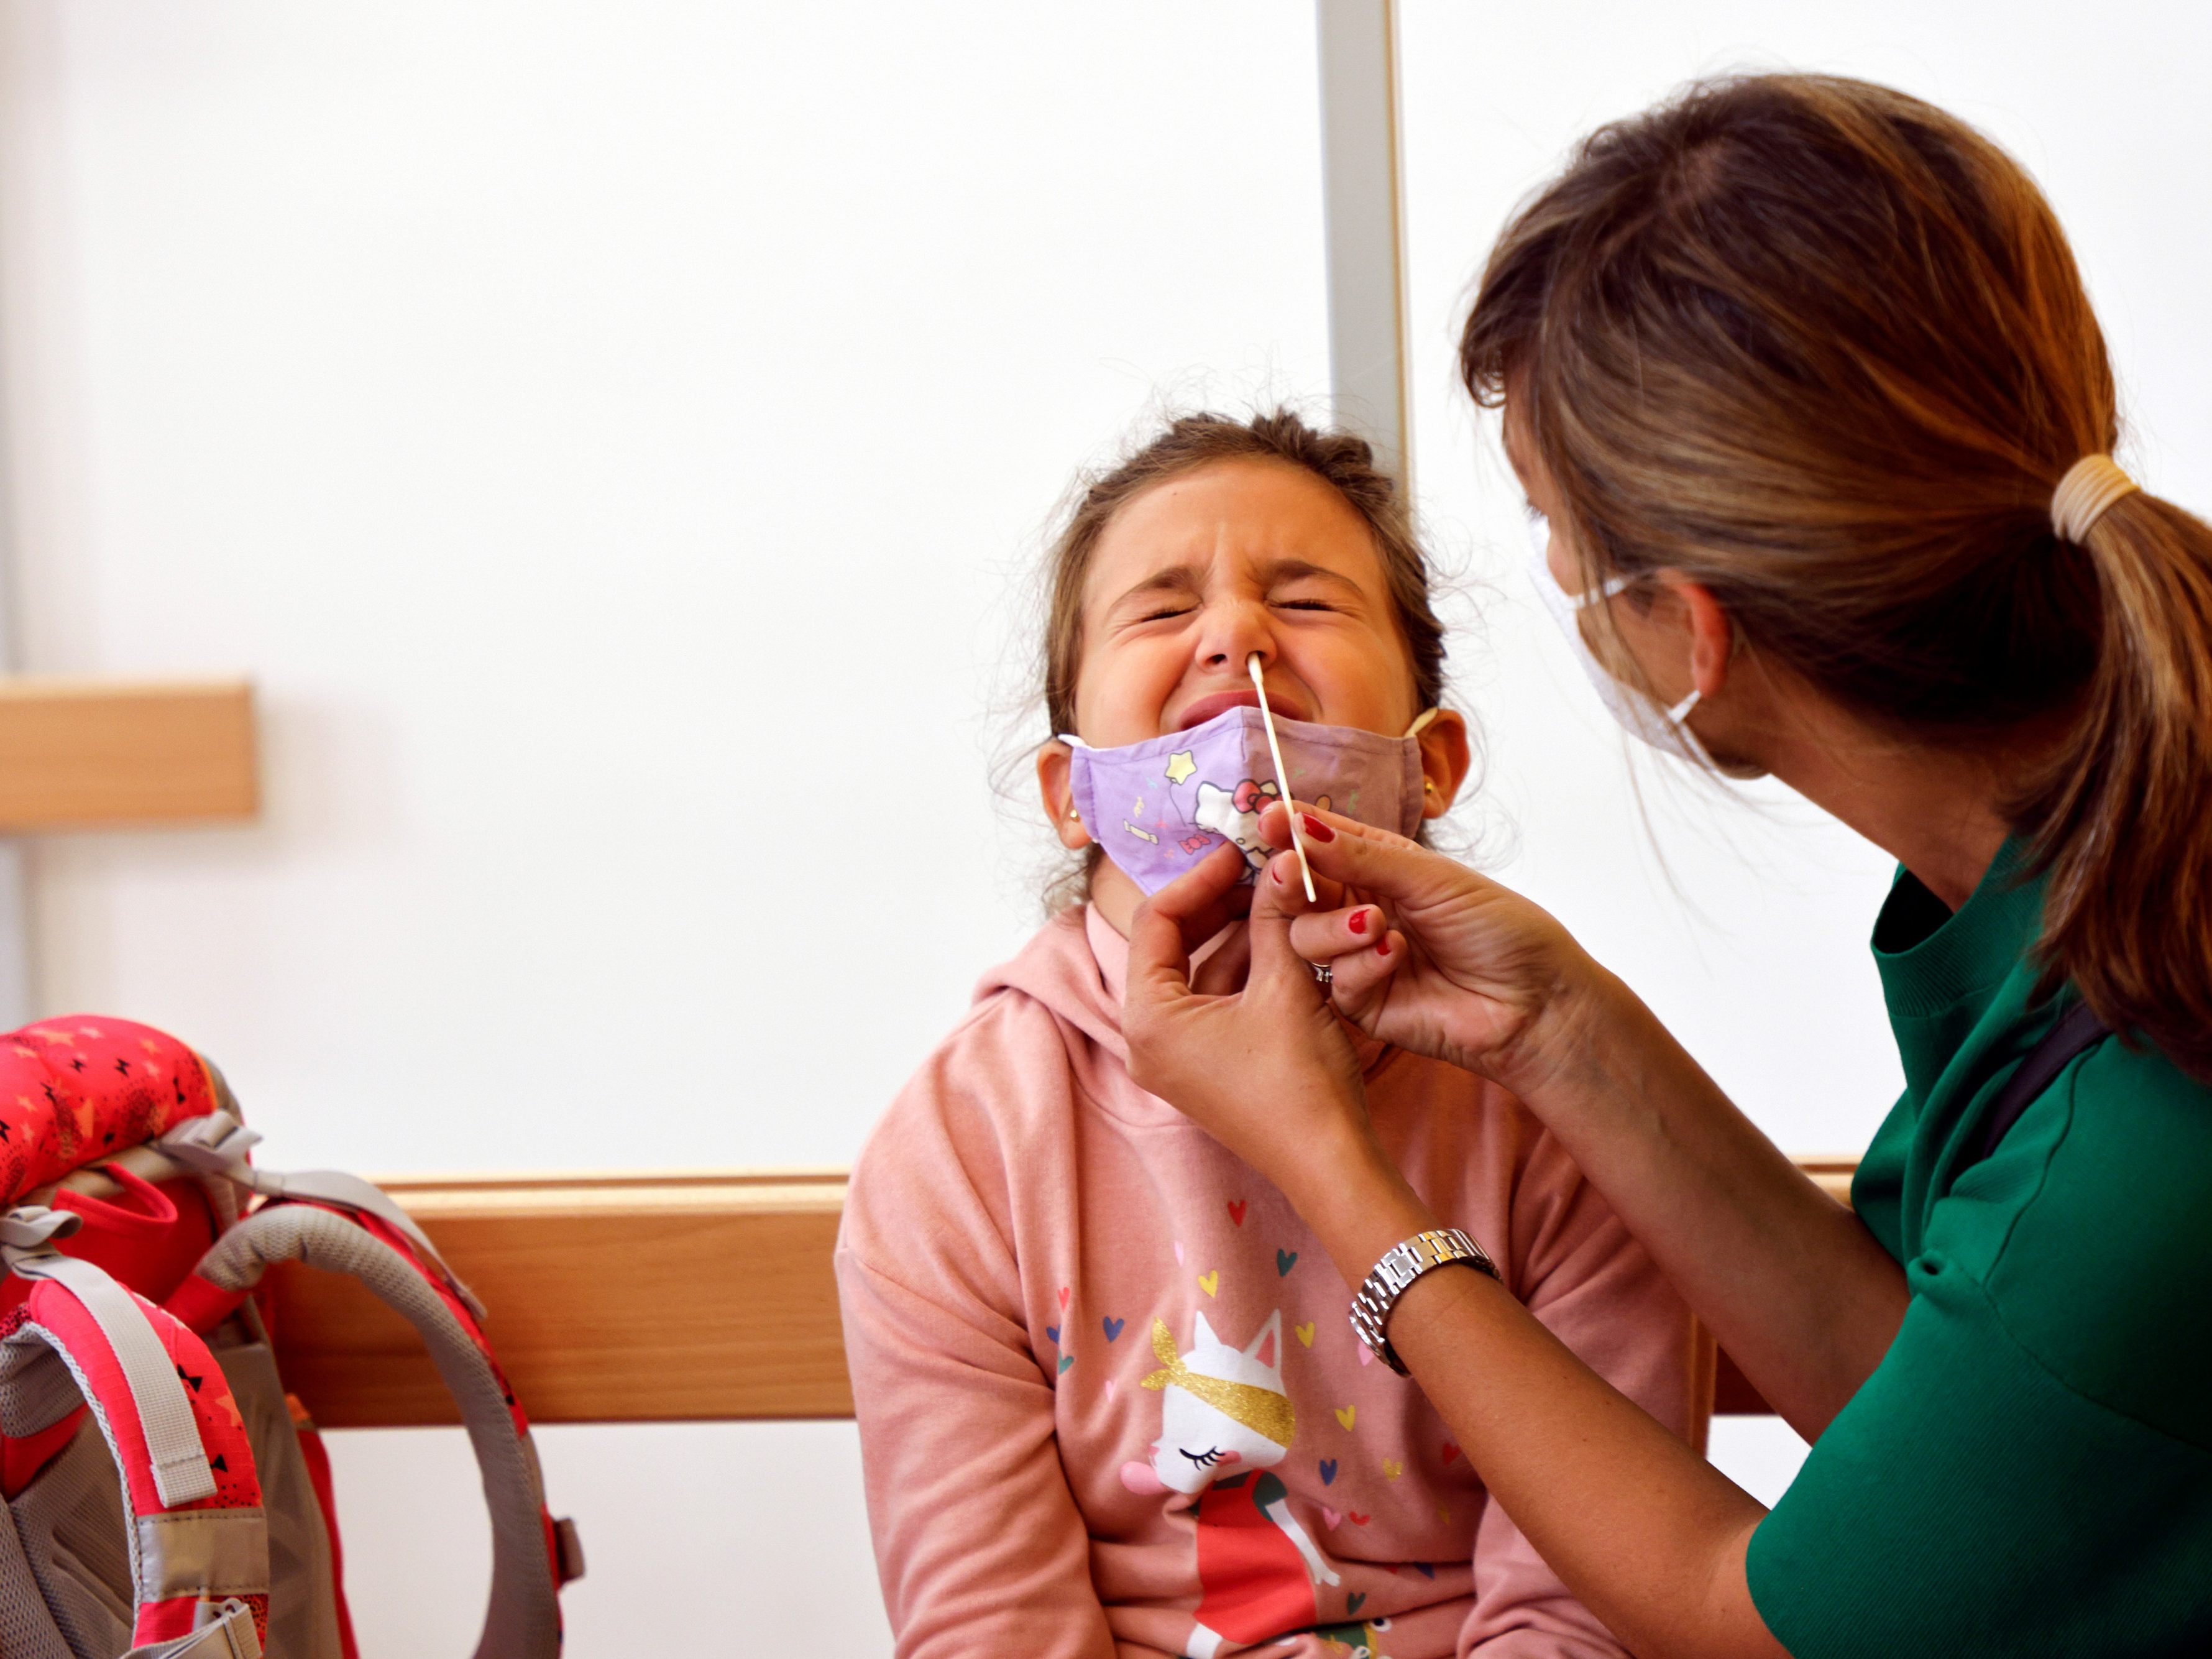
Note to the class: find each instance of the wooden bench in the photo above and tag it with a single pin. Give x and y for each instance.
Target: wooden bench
(644, 1298)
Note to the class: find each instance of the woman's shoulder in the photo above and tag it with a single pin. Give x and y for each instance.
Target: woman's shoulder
(2104, 1263)
(2137, 1122)
(2117, 1153)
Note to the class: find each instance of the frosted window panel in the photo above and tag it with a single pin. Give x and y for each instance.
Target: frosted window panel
(1745, 925)
(610, 436)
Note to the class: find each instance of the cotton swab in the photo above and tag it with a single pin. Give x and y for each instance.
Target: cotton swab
(1282, 777)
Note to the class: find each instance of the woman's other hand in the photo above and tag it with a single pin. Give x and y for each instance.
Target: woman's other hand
(1438, 959)
(1267, 1068)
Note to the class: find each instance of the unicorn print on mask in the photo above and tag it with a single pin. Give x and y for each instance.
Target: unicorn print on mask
(1225, 1422)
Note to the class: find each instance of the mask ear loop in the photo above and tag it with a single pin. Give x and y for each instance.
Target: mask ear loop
(1074, 815)
(1282, 776)
(1421, 725)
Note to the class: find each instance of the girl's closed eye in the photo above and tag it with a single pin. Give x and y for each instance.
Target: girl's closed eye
(1165, 596)
(1165, 612)
(1205, 1460)
(1297, 585)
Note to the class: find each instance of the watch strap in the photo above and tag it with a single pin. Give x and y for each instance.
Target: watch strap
(1401, 1264)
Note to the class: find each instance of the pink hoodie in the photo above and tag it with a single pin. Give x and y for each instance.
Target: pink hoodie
(1109, 1400)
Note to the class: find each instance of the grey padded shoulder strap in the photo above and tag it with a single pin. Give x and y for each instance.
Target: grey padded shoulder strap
(523, 1621)
(181, 1474)
(216, 1143)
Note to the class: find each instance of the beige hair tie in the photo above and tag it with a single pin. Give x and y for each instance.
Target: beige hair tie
(2085, 493)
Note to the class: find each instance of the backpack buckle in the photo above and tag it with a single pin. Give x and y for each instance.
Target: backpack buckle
(33, 1226)
(216, 1142)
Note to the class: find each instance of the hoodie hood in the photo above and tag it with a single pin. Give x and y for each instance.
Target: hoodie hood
(1076, 965)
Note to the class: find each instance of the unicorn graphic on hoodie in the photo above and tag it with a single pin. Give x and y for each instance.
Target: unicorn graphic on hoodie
(1225, 1422)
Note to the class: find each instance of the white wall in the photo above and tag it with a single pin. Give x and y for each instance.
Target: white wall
(605, 434)
(609, 435)
(1754, 952)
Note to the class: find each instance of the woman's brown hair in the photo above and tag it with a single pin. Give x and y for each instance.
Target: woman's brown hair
(1823, 348)
(1342, 460)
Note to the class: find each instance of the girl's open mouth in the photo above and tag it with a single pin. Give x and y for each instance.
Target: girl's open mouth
(1285, 704)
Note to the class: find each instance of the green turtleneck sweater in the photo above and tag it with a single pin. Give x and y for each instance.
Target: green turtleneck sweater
(2029, 1469)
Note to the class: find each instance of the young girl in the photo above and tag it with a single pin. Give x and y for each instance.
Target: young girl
(1110, 1402)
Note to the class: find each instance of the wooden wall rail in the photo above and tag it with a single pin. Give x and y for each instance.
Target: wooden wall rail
(76, 753)
(637, 1298)
(612, 1298)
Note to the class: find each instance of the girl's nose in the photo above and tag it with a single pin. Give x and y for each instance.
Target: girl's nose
(1232, 632)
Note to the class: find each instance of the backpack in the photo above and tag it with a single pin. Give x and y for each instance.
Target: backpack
(161, 1495)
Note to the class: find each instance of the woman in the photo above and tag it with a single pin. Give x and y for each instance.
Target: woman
(1801, 374)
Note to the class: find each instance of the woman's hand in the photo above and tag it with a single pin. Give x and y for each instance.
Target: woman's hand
(1443, 962)
(1267, 1069)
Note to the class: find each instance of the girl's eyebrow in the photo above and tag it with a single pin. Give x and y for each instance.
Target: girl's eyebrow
(1186, 578)
(1291, 570)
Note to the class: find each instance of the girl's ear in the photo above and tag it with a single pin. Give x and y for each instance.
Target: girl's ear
(1445, 758)
(1053, 783)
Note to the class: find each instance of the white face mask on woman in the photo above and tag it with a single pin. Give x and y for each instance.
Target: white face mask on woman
(1665, 729)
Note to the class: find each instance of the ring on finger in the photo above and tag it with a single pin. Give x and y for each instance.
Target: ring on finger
(1323, 973)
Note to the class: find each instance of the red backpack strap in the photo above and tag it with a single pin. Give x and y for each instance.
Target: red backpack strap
(532, 1555)
(198, 1540)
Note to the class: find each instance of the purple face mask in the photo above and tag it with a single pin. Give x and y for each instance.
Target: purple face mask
(1159, 806)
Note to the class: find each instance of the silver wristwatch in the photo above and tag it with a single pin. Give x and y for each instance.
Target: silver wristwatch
(1401, 1264)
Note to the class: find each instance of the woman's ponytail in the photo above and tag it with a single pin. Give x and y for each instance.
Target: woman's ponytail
(2122, 824)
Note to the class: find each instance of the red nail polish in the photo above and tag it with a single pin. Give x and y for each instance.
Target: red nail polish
(1316, 829)
(1382, 946)
(1357, 922)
